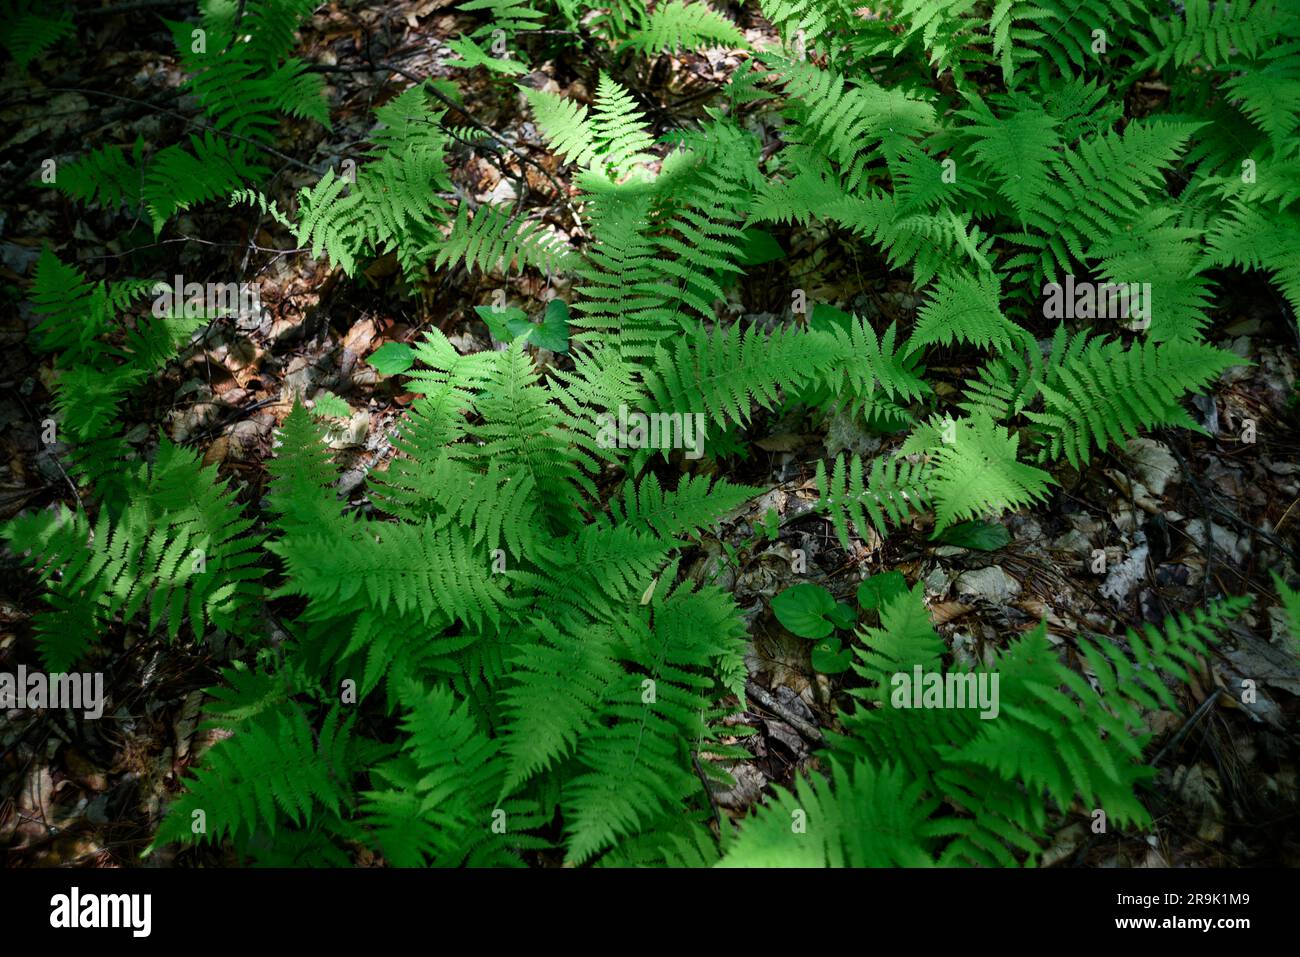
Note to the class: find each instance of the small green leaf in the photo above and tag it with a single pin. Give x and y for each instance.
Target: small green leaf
(758, 247)
(473, 55)
(553, 333)
(879, 590)
(392, 358)
(829, 658)
(447, 88)
(805, 610)
(979, 535)
(509, 324)
(506, 325)
(824, 318)
(328, 404)
(843, 615)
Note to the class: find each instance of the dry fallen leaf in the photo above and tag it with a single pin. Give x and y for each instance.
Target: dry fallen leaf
(216, 453)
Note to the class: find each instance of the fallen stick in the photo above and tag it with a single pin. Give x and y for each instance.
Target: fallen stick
(761, 695)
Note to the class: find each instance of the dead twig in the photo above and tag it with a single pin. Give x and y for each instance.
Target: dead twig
(765, 699)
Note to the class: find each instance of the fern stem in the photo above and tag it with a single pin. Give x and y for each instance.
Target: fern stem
(1190, 723)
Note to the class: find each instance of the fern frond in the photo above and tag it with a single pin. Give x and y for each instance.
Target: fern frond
(252, 197)
(268, 27)
(858, 817)
(725, 372)
(1098, 190)
(1205, 31)
(448, 383)
(695, 504)
(508, 15)
(1016, 150)
(612, 138)
(1269, 95)
(109, 176)
(275, 768)
(965, 307)
(602, 381)
(394, 205)
(561, 681)
(806, 21)
(1107, 393)
(302, 476)
(245, 82)
(1083, 741)
(621, 136)
(442, 809)
(597, 571)
(929, 242)
(180, 550)
(676, 24)
(1290, 598)
(495, 241)
(435, 576)
(1250, 238)
(975, 470)
(635, 766)
(524, 431)
(74, 311)
(178, 178)
(851, 123)
(623, 299)
(327, 221)
(892, 491)
(1006, 384)
(566, 124)
(871, 365)
(500, 506)
(28, 34)
(1171, 261)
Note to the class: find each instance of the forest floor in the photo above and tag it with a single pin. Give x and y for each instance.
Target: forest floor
(1180, 517)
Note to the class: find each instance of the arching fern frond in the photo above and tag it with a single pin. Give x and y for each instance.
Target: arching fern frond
(695, 504)
(110, 176)
(1106, 393)
(27, 34)
(181, 550)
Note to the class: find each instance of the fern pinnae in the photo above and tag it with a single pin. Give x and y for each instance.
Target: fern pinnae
(495, 241)
(727, 371)
(675, 24)
(890, 492)
(1107, 393)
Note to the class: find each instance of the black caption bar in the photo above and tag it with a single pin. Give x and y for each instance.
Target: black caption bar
(143, 907)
